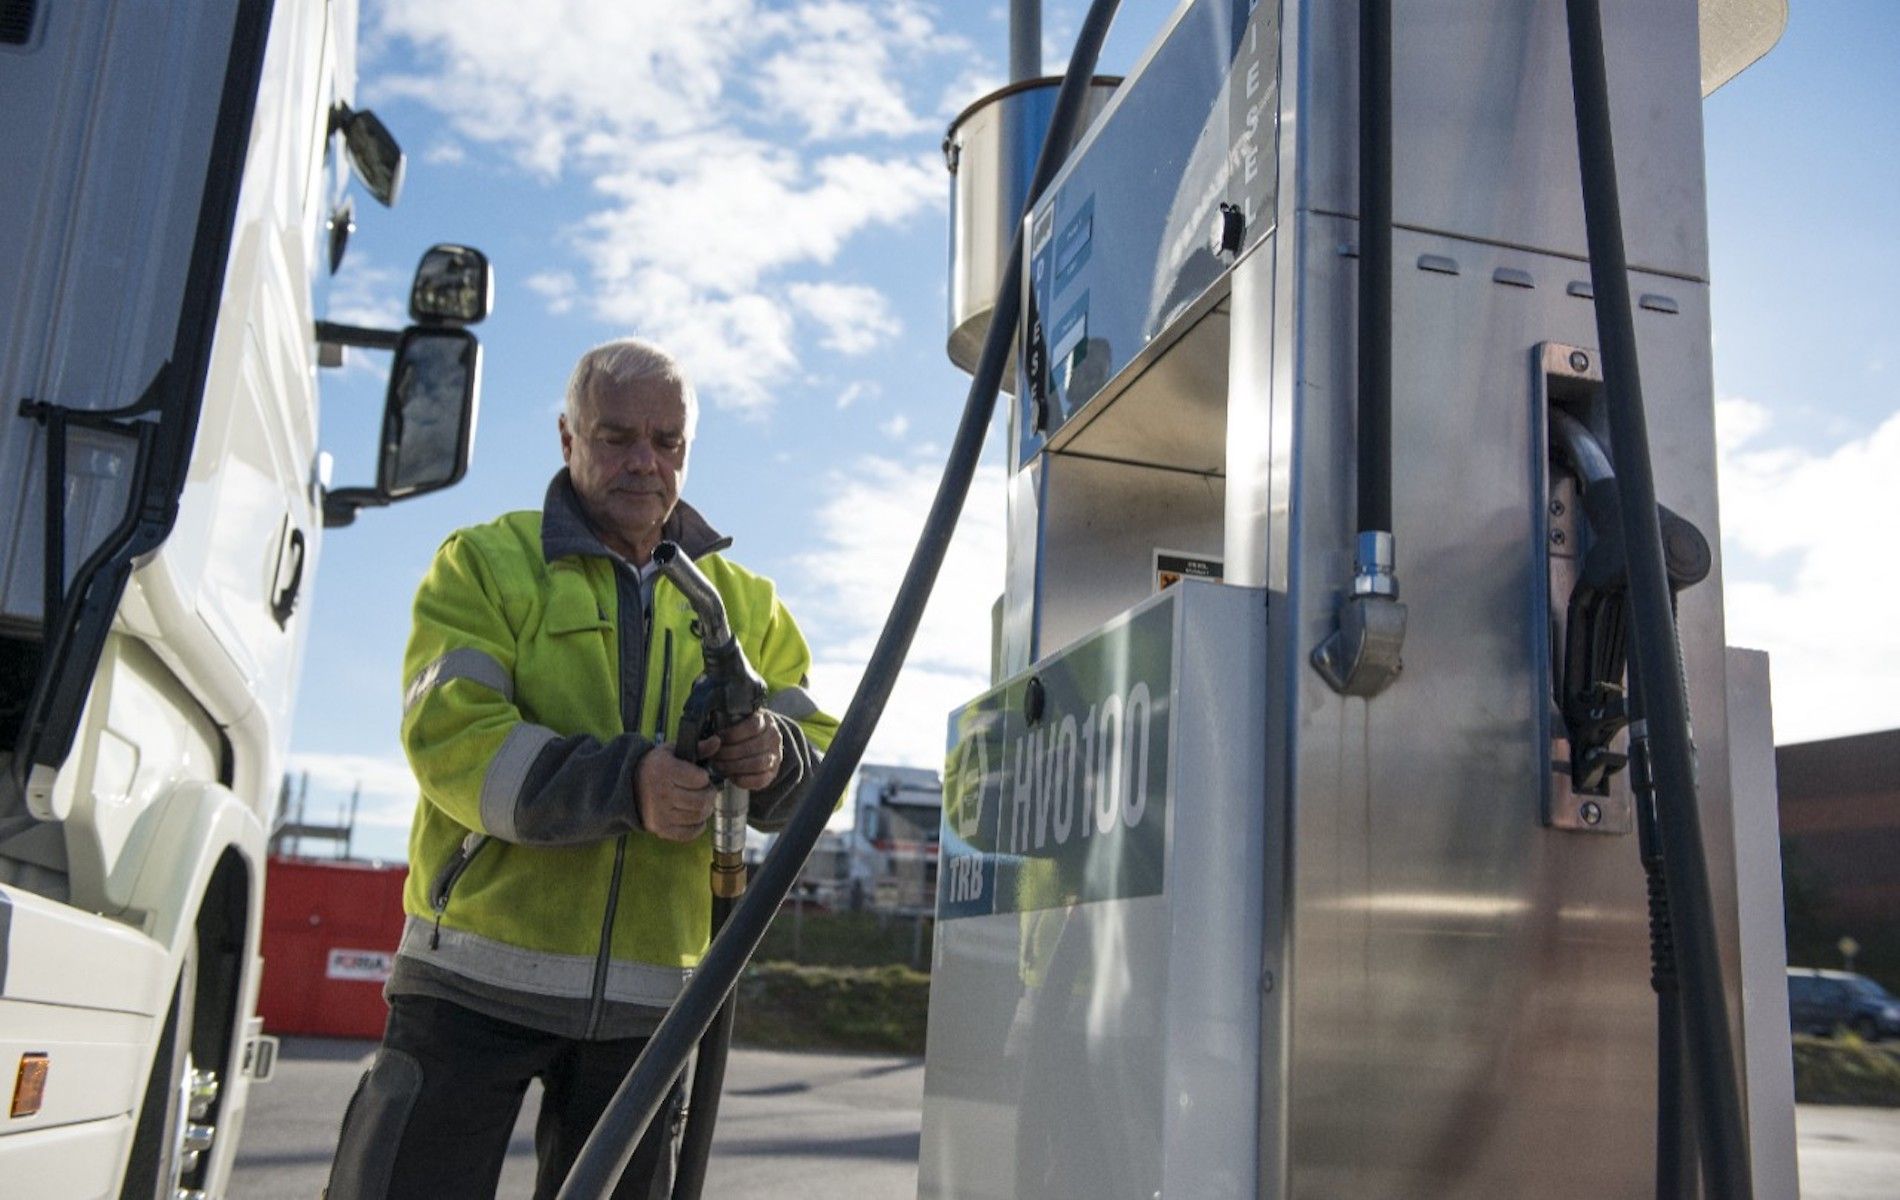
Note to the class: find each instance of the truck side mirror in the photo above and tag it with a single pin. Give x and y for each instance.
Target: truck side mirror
(373, 151)
(434, 382)
(429, 411)
(453, 286)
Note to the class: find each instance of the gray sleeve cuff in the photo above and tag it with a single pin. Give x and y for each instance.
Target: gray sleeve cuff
(772, 804)
(546, 790)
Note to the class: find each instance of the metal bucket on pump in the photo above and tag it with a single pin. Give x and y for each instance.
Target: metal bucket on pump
(991, 152)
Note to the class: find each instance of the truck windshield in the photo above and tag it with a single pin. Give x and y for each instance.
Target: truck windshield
(916, 823)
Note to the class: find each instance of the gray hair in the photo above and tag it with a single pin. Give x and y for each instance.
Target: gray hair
(624, 361)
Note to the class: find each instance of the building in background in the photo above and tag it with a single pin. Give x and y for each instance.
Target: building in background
(1840, 849)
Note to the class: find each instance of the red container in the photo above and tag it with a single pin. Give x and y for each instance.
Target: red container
(330, 934)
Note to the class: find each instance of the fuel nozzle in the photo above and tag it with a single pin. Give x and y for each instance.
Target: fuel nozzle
(726, 692)
(1593, 662)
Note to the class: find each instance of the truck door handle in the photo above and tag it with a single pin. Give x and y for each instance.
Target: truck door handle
(284, 600)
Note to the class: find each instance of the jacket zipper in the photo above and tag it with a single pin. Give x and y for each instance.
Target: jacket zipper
(448, 877)
(603, 956)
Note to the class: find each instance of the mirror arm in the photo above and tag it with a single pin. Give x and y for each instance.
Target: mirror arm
(358, 335)
(340, 114)
(340, 506)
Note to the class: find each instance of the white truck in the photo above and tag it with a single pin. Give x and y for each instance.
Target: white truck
(899, 812)
(175, 187)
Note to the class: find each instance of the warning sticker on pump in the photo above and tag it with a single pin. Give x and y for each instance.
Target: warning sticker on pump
(1055, 785)
(1172, 566)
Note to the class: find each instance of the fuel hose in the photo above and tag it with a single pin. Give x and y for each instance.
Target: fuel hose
(608, 1148)
(709, 1077)
(1655, 652)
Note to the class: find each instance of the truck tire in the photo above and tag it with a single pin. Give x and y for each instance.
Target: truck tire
(157, 1159)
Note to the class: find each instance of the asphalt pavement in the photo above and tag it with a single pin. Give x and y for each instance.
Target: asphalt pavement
(791, 1126)
(1848, 1153)
(840, 1127)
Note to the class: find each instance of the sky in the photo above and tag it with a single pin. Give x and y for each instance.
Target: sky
(759, 186)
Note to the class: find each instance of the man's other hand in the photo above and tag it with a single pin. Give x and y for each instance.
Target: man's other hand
(674, 796)
(749, 752)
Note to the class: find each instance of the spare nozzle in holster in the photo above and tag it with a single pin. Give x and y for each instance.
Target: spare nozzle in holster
(727, 692)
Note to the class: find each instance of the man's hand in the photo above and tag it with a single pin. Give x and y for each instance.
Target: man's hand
(748, 753)
(675, 797)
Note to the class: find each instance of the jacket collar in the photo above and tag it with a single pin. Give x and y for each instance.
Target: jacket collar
(565, 529)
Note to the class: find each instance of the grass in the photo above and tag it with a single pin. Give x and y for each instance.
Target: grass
(789, 1006)
(837, 981)
(843, 981)
(1845, 1070)
(845, 939)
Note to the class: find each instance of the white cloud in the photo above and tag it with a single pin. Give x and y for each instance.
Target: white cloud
(856, 391)
(1821, 602)
(855, 319)
(677, 118)
(380, 775)
(556, 287)
(895, 428)
(837, 69)
(367, 293)
(975, 82)
(448, 154)
(384, 809)
(687, 253)
(864, 533)
(540, 84)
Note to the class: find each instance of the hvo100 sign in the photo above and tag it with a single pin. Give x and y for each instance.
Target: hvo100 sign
(1055, 787)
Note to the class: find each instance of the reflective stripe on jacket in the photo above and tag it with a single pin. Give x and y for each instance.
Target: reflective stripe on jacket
(535, 684)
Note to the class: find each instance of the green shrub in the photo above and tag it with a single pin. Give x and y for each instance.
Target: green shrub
(786, 1006)
(845, 939)
(1845, 1070)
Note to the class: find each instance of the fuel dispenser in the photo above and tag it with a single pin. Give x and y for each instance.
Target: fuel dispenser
(1333, 827)
(1295, 851)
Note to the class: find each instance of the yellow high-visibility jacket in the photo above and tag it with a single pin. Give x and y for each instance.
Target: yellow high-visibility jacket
(539, 672)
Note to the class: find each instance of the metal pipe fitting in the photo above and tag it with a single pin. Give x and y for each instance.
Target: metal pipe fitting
(728, 838)
(1373, 563)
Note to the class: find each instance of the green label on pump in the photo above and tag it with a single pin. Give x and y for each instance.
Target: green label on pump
(1055, 785)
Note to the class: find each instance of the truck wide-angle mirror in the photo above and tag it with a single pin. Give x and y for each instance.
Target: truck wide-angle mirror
(373, 150)
(453, 286)
(429, 414)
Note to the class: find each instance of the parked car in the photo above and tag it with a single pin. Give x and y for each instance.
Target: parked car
(1826, 1002)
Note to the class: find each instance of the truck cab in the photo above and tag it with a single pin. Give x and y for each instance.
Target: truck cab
(179, 185)
(899, 812)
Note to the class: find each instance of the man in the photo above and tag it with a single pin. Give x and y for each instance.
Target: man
(558, 890)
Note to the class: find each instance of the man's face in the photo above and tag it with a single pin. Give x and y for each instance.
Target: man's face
(626, 453)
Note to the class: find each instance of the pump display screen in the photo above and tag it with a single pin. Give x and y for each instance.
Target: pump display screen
(1120, 245)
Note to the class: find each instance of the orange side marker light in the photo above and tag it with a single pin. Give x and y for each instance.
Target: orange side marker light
(29, 1086)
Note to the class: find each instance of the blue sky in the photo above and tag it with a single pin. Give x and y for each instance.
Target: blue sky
(759, 186)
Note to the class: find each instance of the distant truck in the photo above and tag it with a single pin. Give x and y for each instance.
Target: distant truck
(899, 814)
(175, 191)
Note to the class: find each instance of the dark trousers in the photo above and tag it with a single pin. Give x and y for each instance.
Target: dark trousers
(432, 1116)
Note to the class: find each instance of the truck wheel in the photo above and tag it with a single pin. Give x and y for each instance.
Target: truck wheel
(158, 1144)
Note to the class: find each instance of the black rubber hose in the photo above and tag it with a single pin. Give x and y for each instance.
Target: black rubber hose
(1675, 1159)
(709, 1079)
(1375, 267)
(1675, 1163)
(605, 1155)
(1654, 652)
